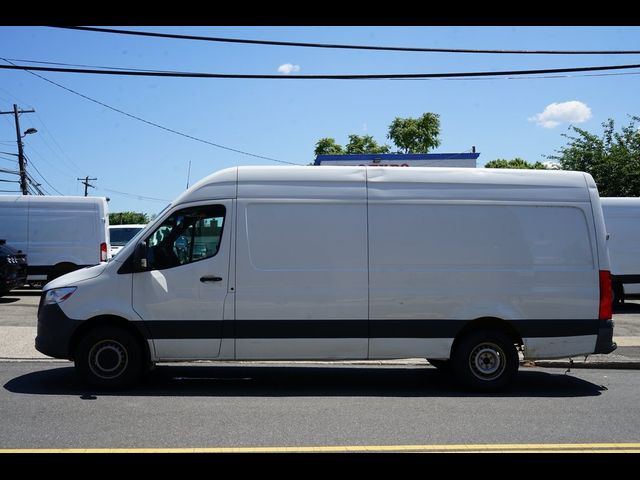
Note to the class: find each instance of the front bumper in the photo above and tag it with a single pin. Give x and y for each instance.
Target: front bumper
(55, 330)
(605, 343)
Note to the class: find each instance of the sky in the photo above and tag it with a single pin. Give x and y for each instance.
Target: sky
(142, 168)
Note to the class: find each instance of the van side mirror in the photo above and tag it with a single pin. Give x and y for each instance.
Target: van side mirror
(140, 257)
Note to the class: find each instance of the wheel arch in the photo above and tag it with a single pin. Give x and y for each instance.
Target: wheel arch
(488, 323)
(61, 268)
(110, 320)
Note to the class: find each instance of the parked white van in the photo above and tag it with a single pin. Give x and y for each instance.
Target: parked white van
(459, 266)
(59, 234)
(622, 219)
(119, 235)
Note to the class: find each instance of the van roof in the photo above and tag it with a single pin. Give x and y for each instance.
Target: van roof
(361, 182)
(53, 199)
(620, 202)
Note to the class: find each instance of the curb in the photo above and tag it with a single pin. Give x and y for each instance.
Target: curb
(619, 365)
(626, 364)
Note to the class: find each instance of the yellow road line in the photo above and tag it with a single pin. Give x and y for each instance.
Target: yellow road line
(461, 448)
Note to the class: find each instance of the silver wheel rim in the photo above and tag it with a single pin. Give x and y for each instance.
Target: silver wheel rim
(487, 361)
(108, 359)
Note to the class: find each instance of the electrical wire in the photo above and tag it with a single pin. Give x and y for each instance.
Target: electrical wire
(381, 76)
(349, 47)
(135, 195)
(46, 129)
(31, 164)
(140, 119)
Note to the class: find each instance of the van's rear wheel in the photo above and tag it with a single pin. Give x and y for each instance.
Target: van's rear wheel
(108, 357)
(485, 360)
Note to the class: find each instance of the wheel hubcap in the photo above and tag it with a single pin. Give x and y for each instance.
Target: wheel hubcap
(487, 361)
(108, 359)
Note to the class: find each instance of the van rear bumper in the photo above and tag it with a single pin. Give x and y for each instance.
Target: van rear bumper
(54, 331)
(605, 343)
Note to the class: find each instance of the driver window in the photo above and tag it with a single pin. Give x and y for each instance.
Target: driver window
(186, 236)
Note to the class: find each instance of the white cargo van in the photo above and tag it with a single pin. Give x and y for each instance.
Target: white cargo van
(59, 234)
(459, 266)
(622, 219)
(119, 235)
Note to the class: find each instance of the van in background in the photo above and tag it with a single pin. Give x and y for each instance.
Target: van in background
(119, 235)
(622, 219)
(59, 234)
(463, 267)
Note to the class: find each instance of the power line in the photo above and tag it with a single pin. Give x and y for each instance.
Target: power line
(42, 176)
(140, 119)
(147, 70)
(68, 158)
(79, 65)
(54, 165)
(134, 195)
(350, 47)
(382, 76)
(35, 186)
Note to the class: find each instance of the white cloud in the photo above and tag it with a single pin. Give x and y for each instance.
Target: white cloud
(565, 112)
(288, 68)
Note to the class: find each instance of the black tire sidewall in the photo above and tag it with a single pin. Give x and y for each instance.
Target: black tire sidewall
(133, 351)
(464, 349)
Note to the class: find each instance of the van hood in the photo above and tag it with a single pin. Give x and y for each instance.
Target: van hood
(73, 278)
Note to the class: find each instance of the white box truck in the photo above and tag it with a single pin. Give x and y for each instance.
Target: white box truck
(462, 267)
(622, 219)
(59, 234)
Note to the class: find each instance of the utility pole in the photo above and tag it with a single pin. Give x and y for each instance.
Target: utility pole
(21, 162)
(86, 183)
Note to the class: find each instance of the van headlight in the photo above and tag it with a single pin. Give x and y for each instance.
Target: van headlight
(58, 295)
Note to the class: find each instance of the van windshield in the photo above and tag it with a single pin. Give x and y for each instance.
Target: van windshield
(120, 236)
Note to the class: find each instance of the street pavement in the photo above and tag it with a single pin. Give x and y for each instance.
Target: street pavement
(18, 322)
(298, 407)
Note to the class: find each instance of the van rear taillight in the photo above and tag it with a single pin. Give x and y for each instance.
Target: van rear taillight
(606, 295)
(103, 252)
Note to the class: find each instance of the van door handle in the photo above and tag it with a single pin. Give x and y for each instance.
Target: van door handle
(210, 279)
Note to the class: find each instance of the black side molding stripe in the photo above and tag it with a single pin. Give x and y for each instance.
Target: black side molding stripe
(183, 329)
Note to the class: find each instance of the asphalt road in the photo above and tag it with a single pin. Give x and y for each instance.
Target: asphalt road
(202, 406)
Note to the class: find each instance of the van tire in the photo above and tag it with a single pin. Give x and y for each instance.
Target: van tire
(109, 357)
(61, 269)
(618, 294)
(485, 360)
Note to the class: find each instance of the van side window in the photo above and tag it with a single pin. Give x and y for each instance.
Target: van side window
(186, 236)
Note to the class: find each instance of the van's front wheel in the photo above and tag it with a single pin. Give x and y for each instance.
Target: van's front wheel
(485, 360)
(108, 357)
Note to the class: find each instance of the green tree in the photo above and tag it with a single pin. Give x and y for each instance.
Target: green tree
(365, 144)
(126, 218)
(416, 135)
(515, 163)
(328, 146)
(613, 159)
